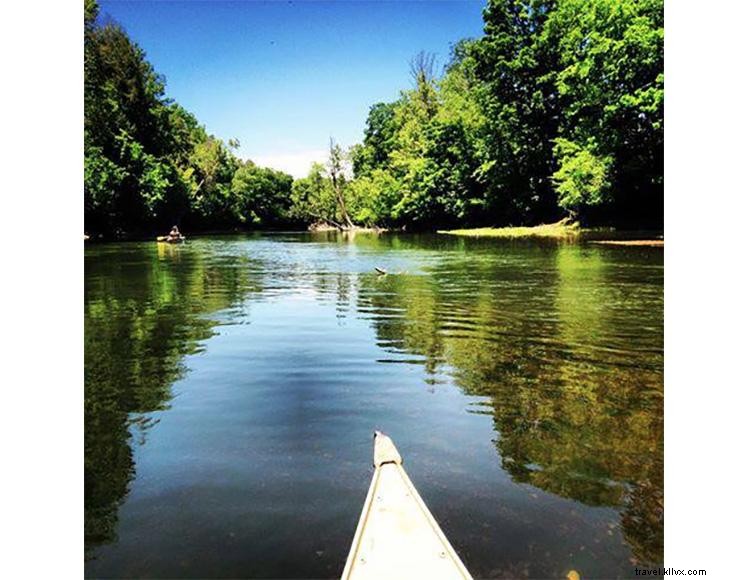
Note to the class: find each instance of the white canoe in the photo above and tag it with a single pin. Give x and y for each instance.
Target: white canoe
(397, 537)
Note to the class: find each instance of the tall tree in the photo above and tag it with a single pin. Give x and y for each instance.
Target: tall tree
(379, 135)
(611, 91)
(335, 169)
(521, 104)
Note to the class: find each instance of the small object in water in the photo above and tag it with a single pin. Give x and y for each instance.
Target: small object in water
(380, 270)
(573, 575)
(174, 237)
(399, 538)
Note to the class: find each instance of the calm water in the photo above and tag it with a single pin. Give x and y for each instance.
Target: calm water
(233, 384)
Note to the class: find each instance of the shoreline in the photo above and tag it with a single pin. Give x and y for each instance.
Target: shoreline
(563, 231)
(650, 243)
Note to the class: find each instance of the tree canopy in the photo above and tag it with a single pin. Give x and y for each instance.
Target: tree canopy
(556, 110)
(148, 162)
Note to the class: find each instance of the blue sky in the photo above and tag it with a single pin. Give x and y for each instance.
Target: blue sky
(283, 77)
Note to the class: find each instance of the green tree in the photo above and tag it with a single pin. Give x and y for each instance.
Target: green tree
(261, 197)
(582, 178)
(520, 102)
(312, 198)
(379, 135)
(148, 163)
(556, 108)
(373, 199)
(211, 170)
(336, 166)
(611, 89)
(425, 150)
(131, 155)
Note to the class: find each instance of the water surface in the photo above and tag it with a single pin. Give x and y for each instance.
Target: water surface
(233, 384)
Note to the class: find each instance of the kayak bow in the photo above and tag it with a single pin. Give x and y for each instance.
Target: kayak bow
(397, 537)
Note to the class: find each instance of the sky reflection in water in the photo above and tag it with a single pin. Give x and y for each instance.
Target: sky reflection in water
(232, 385)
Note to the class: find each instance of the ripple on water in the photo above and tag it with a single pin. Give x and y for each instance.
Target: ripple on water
(232, 385)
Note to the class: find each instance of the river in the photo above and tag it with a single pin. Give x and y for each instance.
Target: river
(232, 385)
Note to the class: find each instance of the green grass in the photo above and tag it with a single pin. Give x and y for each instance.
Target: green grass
(563, 229)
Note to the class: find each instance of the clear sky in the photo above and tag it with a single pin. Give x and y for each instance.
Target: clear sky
(285, 76)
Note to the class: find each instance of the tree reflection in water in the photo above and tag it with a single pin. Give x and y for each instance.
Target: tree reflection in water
(573, 381)
(144, 311)
(562, 342)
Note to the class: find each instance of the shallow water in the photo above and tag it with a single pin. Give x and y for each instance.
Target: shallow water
(233, 384)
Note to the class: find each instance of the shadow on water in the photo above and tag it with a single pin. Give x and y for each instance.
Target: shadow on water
(145, 309)
(557, 348)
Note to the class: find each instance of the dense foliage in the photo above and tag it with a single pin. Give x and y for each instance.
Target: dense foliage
(557, 110)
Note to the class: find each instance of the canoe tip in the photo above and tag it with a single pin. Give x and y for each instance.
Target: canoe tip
(385, 450)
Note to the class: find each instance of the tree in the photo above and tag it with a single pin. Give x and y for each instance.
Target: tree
(611, 90)
(313, 199)
(261, 196)
(422, 73)
(335, 169)
(373, 199)
(520, 102)
(582, 178)
(556, 109)
(379, 139)
(148, 163)
(131, 156)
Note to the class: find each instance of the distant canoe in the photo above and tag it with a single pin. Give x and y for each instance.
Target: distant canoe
(168, 240)
(397, 537)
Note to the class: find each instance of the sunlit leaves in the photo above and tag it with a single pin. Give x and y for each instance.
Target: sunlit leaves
(583, 175)
(556, 109)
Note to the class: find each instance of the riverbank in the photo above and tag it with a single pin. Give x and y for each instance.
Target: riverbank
(652, 243)
(141, 236)
(563, 229)
(147, 236)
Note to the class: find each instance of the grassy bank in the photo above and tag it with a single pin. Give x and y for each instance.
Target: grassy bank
(560, 230)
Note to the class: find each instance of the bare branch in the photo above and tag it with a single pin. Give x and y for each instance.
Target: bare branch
(422, 67)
